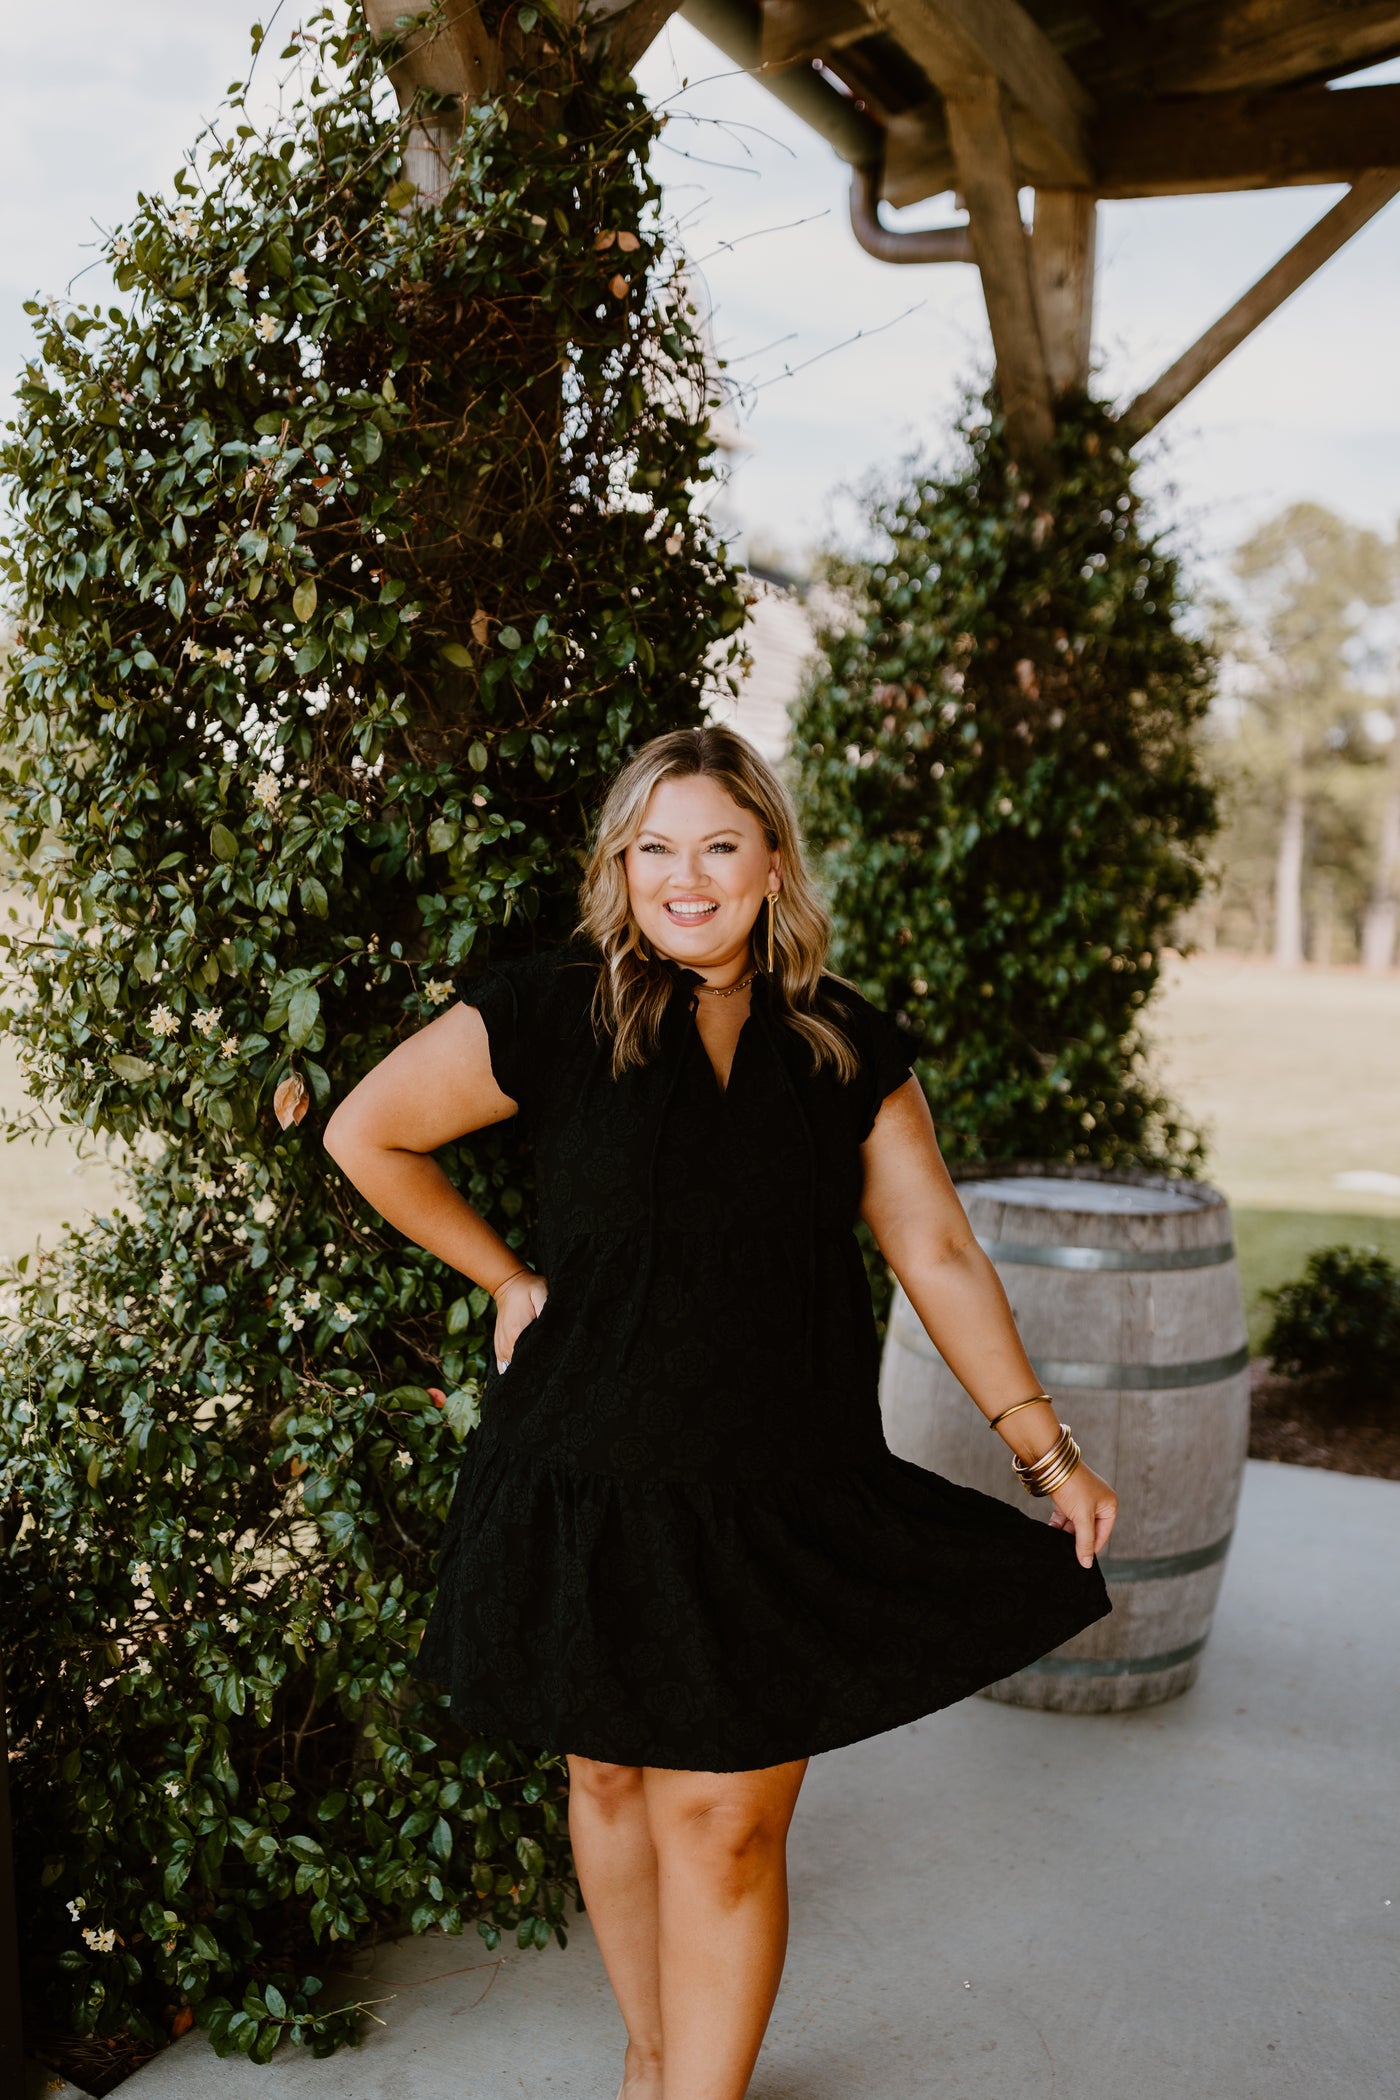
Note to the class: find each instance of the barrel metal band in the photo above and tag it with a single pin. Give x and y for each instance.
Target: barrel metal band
(1025, 1254)
(1111, 1665)
(1165, 1565)
(1137, 1378)
(1141, 1378)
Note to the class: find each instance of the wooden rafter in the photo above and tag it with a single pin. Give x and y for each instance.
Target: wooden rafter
(1196, 143)
(987, 178)
(961, 42)
(1213, 47)
(1319, 244)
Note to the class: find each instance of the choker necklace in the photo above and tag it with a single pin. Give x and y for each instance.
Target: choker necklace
(727, 991)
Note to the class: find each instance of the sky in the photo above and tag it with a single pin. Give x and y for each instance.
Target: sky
(845, 364)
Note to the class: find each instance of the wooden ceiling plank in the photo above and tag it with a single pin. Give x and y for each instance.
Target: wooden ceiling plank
(1270, 43)
(1368, 195)
(958, 42)
(794, 30)
(981, 141)
(1063, 245)
(1200, 143)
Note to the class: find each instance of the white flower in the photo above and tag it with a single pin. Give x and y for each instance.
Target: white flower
(121, 247)
(228, 1048)
(169, 1281)
(405, 1458)
(229, 1621)
(267, 792)
(205, 1185)
(674, 541)
(267, 327)
(143, 1666)
(264, 1210)
(1005, 806)
(328, 1250)
(76, 1908)
(173, 1788)
(437, 990)
(193, 651)
(343, 1312)
(311, 1301)
(87, 1068)
(100, 1942)
(163, 1022)
(185, 225)
(206, 1023)
(293, 1319)
(223, 657)
(240, 1232)
(238, 279)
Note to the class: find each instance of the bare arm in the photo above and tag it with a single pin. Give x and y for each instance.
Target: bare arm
(912, 1207)
(436, 1086)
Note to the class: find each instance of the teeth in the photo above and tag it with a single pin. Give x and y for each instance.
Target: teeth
(691, 911)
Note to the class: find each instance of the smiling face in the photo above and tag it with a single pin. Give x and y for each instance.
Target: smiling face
(697, 874)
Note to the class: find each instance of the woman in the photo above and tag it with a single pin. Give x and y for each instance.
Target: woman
(680, 1550)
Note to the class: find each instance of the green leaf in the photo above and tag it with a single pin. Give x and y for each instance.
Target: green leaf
(313, 897)
(400, 193)
(132, 1068)
(442, 835)
(459, 1316)
(509, 638)
(457, 654)
(477, 755)
(222, 843)
(303, 1011)
(275, 2002)
(304, 598)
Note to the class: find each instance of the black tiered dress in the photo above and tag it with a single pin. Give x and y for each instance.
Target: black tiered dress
(678, 1537)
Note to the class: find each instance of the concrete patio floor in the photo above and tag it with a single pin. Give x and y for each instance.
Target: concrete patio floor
(1199, 1899)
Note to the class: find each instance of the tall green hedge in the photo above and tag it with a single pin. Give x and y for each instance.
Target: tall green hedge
(996, 762)
(352, 551)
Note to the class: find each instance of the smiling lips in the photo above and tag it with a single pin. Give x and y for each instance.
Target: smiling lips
(690, 909)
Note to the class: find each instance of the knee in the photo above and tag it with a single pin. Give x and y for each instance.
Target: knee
(608, 1789)
(734, 1846)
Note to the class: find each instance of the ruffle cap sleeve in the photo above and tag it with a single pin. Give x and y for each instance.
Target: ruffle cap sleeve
(885, 1050)
(518, 999)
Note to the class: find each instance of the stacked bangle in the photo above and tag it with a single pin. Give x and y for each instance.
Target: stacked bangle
(1042, 1476)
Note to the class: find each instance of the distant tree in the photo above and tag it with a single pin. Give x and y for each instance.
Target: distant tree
(1307, 578)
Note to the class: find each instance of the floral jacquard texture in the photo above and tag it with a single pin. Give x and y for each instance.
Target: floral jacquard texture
(714, 1561)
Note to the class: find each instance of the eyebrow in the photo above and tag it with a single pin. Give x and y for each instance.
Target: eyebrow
(647, 831)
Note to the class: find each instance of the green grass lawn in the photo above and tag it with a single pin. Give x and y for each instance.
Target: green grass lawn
(1274, 1246)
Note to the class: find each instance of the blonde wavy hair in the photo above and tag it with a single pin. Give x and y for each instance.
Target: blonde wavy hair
(634, 986)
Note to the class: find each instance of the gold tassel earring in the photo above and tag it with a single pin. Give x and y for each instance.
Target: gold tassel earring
(772, 914)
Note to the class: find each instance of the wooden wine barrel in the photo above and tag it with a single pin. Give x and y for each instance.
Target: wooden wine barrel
(1126, 1292)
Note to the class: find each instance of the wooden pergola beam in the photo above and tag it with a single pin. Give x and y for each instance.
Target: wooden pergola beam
(1268, 43)
(1199, 143)
(1370, 194)
(959, 43)
(977, 126)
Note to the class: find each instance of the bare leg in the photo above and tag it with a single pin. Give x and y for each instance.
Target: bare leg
(616, 1863)
(721, 1847)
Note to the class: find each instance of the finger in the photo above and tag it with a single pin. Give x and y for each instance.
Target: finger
(501, 1362)
(1103, 1525)
(1084, 1541)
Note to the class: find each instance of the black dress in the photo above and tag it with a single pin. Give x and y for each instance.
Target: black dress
(678, 1537)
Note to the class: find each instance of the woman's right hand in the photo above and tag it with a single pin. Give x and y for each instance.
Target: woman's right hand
(519, 1300)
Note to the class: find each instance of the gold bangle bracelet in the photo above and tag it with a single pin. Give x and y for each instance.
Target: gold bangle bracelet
(1043, 1475)
(523, 1270)
(1034, 1401)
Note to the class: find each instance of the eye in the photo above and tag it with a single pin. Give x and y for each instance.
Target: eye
(651, 846)
(724, 846)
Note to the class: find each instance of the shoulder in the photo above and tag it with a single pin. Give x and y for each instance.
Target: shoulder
(883, 1042)
(532, 1005)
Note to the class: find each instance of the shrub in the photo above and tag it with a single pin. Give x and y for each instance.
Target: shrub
(351, 554)
(996, 761)
(1340, 1324)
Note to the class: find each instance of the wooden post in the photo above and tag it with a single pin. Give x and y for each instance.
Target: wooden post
(986, 168)
(1062, 258)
